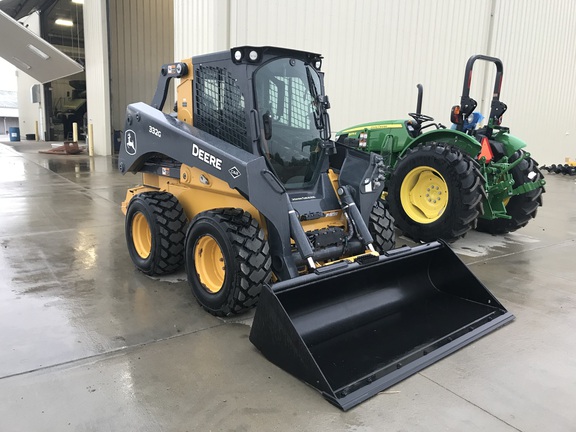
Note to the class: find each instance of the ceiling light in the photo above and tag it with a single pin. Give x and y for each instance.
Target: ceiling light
(78, 1)
(23, 66)
(38, 52)
(64, 22)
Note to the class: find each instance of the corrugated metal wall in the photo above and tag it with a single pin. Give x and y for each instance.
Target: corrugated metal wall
(377, 51)
(141, 41)
(537, 43)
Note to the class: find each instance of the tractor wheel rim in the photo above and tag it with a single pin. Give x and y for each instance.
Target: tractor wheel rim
(209, 263)
(141, 235)
(424, 195)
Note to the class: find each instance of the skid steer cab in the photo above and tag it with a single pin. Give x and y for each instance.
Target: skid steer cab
(243, 186)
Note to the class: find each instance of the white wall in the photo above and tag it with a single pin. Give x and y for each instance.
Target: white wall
(97, 74)
(200, 26)
(376, 51)
(7, 76)
(537, 42)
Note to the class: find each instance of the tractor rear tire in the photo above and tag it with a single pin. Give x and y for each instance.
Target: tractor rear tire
(155, 232)
(435, 192)
(381, 226)
(522, 207)
(227, 260)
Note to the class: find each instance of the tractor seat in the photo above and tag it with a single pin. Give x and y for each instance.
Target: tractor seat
(413, 128)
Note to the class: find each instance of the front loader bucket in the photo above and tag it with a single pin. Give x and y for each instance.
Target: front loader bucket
(357, 329)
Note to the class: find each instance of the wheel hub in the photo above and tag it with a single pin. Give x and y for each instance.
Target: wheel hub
(209, 263)
(424, 194)
(141, 235)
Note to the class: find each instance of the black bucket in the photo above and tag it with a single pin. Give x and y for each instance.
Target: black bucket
(360, 328)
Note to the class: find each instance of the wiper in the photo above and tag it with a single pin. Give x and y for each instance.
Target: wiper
(321, 105)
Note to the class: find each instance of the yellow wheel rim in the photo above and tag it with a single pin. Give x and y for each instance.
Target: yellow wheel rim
(141, 235)
(209, 262)
(424, 195)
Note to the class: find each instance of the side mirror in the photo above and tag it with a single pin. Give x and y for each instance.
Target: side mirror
(267, 121)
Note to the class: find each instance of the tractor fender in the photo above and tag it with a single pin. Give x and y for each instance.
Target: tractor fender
(511, 143)
(449, 136)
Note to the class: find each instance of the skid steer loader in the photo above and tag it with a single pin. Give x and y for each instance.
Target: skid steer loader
(243, 185)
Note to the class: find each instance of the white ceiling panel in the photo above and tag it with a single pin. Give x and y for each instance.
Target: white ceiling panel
(32, 54)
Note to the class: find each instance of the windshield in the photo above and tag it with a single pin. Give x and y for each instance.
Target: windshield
(285, 90)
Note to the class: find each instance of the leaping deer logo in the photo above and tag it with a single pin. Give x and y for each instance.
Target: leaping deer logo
(130, 142)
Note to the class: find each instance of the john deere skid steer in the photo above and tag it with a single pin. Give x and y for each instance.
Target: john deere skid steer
(243, 185)
(444, 182)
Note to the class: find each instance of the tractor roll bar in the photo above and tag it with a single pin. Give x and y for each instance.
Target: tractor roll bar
(468, 75)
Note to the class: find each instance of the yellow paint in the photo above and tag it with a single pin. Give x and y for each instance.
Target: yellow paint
(209, 263)
(198, 191)
(141, 235)
(424, 195)
(374, 127)
(185, 95)
(329, 220)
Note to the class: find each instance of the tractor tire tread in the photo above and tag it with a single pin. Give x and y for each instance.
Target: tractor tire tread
(171, 222)
(253, 253)
(468, 180)
(381, 227)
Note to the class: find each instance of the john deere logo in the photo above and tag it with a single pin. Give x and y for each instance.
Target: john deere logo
(130, 142)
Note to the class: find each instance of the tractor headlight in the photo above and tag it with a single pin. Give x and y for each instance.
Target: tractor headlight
(363, 139)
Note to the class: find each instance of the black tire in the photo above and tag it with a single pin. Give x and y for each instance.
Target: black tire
(443, 167)
(155, 229)
(381, 226)
(234, 239)
(522, 207)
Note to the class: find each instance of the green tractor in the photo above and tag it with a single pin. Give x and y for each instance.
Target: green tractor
(442, 182)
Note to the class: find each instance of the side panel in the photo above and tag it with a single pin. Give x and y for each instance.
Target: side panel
(452, 137)
(196, 191)
(388, 138)
(185, 101)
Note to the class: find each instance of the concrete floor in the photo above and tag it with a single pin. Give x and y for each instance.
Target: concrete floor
(90, 344)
